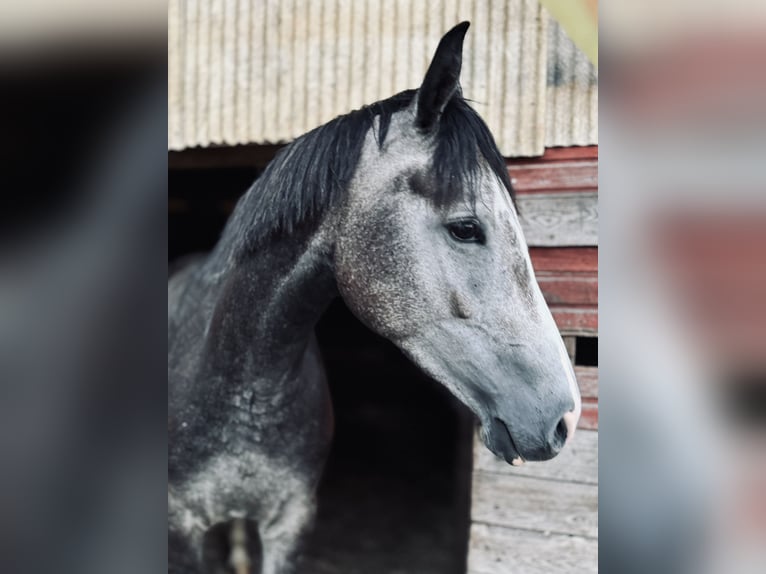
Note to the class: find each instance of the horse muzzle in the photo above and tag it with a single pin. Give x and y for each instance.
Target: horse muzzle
(522, 444)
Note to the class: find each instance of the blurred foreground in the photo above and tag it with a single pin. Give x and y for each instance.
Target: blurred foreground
(82, 291)
(682, 283)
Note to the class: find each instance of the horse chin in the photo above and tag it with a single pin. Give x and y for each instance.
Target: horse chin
(498, 439)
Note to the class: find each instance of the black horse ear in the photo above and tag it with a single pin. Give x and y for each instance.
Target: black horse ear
(442, 79)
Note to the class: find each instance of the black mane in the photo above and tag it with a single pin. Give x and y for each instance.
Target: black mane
(312, 174)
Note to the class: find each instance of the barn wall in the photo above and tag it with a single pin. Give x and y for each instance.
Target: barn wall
(266, 71)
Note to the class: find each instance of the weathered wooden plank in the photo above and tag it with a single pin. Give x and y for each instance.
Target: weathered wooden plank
(499, 550)
(589, 416)
(564, 259)
(557, 154)
(578, 462)
(534, 503)
(572, 321)
(559, 219)
(587, 380)
(568, 289)
(571, 345)
(542, 177)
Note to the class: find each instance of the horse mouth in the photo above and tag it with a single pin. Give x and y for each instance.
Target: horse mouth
(502, 443)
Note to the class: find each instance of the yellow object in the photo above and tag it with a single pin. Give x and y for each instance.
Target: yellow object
(579, 18)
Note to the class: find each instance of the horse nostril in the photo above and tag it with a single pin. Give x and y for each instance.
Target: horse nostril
(562, 433)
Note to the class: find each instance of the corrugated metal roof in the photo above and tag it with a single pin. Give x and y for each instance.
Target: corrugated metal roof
(572, 93)
(249, 71)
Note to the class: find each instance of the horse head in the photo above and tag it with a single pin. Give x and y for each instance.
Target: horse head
(430, 253)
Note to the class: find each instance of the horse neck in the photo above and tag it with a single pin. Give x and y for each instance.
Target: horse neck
(267, 306)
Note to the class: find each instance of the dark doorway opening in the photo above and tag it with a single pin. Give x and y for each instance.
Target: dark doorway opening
(586, 351)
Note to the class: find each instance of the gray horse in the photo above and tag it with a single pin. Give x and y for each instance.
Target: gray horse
(404, 209)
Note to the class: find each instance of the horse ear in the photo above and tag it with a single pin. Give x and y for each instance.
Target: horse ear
(442, 79)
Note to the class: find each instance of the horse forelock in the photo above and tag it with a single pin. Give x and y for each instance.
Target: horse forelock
(463, 147)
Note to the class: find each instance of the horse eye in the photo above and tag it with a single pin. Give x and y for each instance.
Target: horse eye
(466, 230)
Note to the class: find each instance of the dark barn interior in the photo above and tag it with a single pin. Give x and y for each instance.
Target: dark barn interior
(395, 496)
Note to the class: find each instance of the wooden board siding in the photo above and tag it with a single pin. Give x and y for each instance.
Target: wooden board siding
(589, 416)
(565, 259)
(559, 219)
(554, 176)
(531, 503)
(564, 288)
(537, 518)
(557, 196)
(587, 379)
(580, 322)
(530, 553)
(545, 171)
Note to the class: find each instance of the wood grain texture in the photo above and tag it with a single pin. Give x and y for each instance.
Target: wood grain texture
(572, 321)
(571, 346)
(568, 288)
(499, 550)
(565, 259)
(550, 177)
(559, 219)
(558, 154)
(578, 462)
(538, 504)
(587, 380)
(589, 416)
